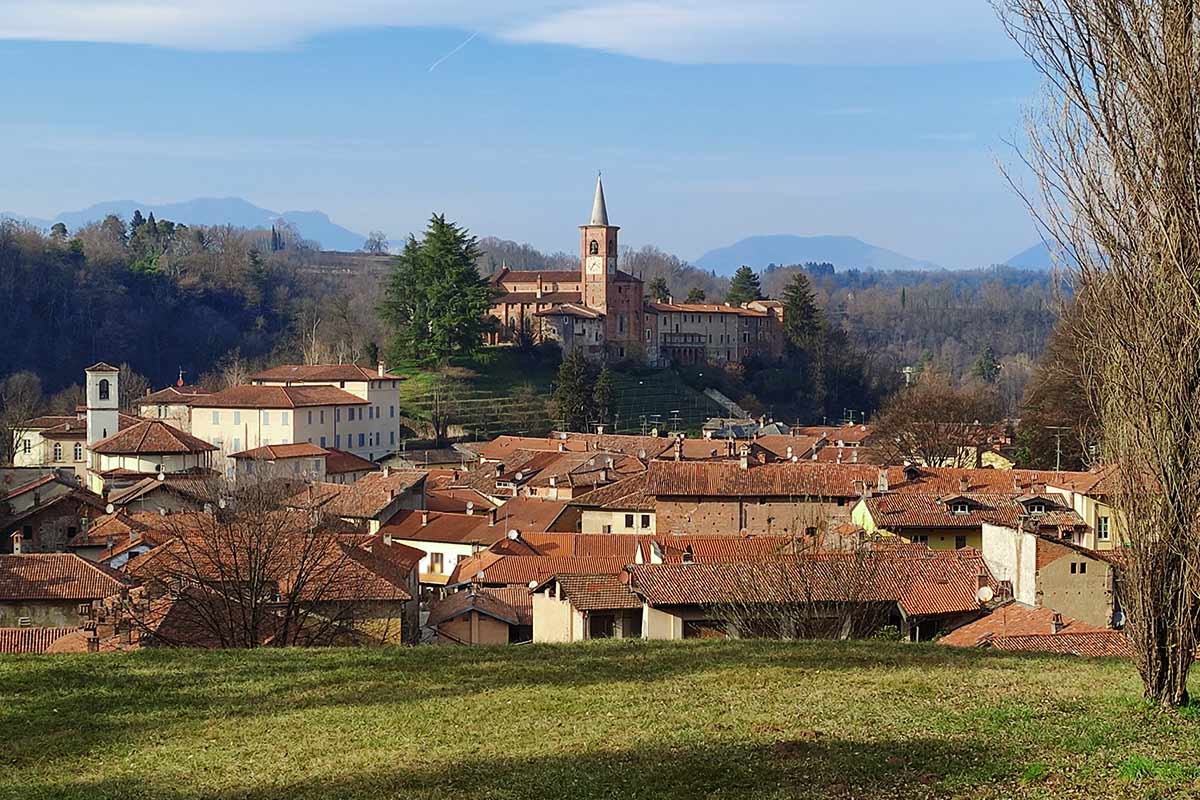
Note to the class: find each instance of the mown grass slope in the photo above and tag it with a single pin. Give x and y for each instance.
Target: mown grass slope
(603, 720)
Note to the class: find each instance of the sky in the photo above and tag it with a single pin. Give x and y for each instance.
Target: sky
(710, 120)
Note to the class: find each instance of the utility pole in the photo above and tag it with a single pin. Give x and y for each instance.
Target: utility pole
(1058, 434)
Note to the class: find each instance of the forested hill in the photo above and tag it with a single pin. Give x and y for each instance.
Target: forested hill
(162, 297)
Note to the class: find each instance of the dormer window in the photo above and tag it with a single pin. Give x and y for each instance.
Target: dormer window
(1037, 508)
(960, 508)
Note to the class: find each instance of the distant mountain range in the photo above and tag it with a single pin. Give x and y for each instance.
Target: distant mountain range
(1038, 257)
(844, 252)
(314, 225)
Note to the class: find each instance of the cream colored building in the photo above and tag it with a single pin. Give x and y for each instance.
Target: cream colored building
(172, 404)
(1090, 495)
(147, 449)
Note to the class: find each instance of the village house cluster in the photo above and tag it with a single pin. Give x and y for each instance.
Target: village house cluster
(114, 528)
(601, 311)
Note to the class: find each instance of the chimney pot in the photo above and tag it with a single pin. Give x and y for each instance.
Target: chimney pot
(17, 541)
(424, 518)
(1056, 623)
(491, 517)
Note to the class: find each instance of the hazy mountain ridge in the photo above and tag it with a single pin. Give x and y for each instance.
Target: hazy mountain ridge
(844, 252)
(314, 225)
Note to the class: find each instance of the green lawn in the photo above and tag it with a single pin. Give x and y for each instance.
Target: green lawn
(603, 720)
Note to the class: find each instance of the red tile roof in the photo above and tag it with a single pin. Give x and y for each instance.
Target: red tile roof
(1095, 644)
(434, 526)
(323, 373)
(364, 499)
(510, 604)
(174, 395)
(339, 462)
(706, 308)
(14, 641)
(780, 479)
(532, 275)
(628, 494)
(1011, 619)
(524, 569)
(456, 501)
(56, 576)
(597, 592)
(273, 452)
(151, 437)
(279, 397)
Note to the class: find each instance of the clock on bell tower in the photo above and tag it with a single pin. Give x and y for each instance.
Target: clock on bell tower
(598, 253)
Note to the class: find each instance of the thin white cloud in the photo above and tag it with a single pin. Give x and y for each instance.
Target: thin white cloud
(681, 31)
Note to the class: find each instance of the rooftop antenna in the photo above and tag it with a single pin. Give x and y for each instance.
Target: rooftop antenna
(1058, 434)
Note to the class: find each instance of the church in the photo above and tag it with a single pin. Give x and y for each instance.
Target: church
(603, 313)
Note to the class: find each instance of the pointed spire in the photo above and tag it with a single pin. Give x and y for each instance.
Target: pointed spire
(599, 211)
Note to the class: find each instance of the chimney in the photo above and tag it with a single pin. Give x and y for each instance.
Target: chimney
(789, 453)
(1056, 623)
(16, 541)
(387, 538)
(744, 458)
(492, 517)
(882, 483)
(562, 447)
(854, 455)
(379, 369)
(553, 481)
(678, 448)
(604, 476)
(599, 430)
(424, 518)
(963, 483)
(387, 471)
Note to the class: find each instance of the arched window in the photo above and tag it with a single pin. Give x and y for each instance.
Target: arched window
(78, 451)
(57, 451)
(104, 388)
(594, 248)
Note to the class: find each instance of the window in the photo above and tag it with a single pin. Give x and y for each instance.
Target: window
(606, 528)
(337, 440)
(391, 411)
(1037, 508)
(78, 451)
(322, 441)
(237, 445)
(436, 563)
(322, 416)
(25, 445)
(310, 417)
(594, 248)
(960, 508)
(316, 466)
(392, 437)
(629, 520)
(1074, 567)
(1082, 567)
(645, 520)
(960, 542)
(283, 418)
(921, 539)
(103, 389)
(237, 418)
(216, 418)
(266, 418)
(362, 440)
(337, 414)
(1102, 530)
(57, 451)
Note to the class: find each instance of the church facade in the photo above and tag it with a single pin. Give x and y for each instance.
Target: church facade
(603, 313)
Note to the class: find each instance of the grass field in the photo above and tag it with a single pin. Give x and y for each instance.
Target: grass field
(602, 720)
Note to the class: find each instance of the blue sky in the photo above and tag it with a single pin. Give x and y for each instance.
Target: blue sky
(711, 120)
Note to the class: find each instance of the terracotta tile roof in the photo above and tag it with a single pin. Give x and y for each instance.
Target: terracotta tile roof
(323, 373)
(521, 570)
(173, 395)
(339, 462)
(279, 397)
(273, 452)
(56, 576)
(849, 434)
(1011, 619)
(644, 447)
(801, 446)
(934, 584)
(151, 437)
(588, 545)
(1095, 644)
(456, 501)
(780, 479)
(1098, 483)
(186, 486)
(52, 421)
(569, 310)
(722, 549)
(75, 429)
(366, 498)
(16, 641)
(628, 494)
(531, 275)
(30, 486)
(706, 308)
(512, 605)
(532, 298)
(434, 526)
(597, 592)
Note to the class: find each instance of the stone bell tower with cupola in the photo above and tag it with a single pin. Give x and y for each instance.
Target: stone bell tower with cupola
(598, 254)
(103, 415)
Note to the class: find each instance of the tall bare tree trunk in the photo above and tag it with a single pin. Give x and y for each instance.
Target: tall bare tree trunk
(1116, 150)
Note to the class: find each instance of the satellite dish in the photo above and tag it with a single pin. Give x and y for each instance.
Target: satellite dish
(470, 506)
(110, 508)
(513, 535)
(162, 476)
(985, 594)
(1118, 620)
(533, 585)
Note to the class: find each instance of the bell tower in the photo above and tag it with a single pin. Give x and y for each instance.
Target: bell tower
(598, 253)
(103, 418)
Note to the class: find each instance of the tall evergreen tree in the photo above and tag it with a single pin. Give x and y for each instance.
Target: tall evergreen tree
(695, 295)
(136, 221)
(572, 400)
(801, 316)
(604, 397)
(744, 287)
(986, 367)
(658, 289)
(435, 301)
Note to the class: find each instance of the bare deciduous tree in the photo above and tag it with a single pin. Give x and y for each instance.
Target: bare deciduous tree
(1116, 150)
(248, 572)
(20, 400)
(935, 423)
